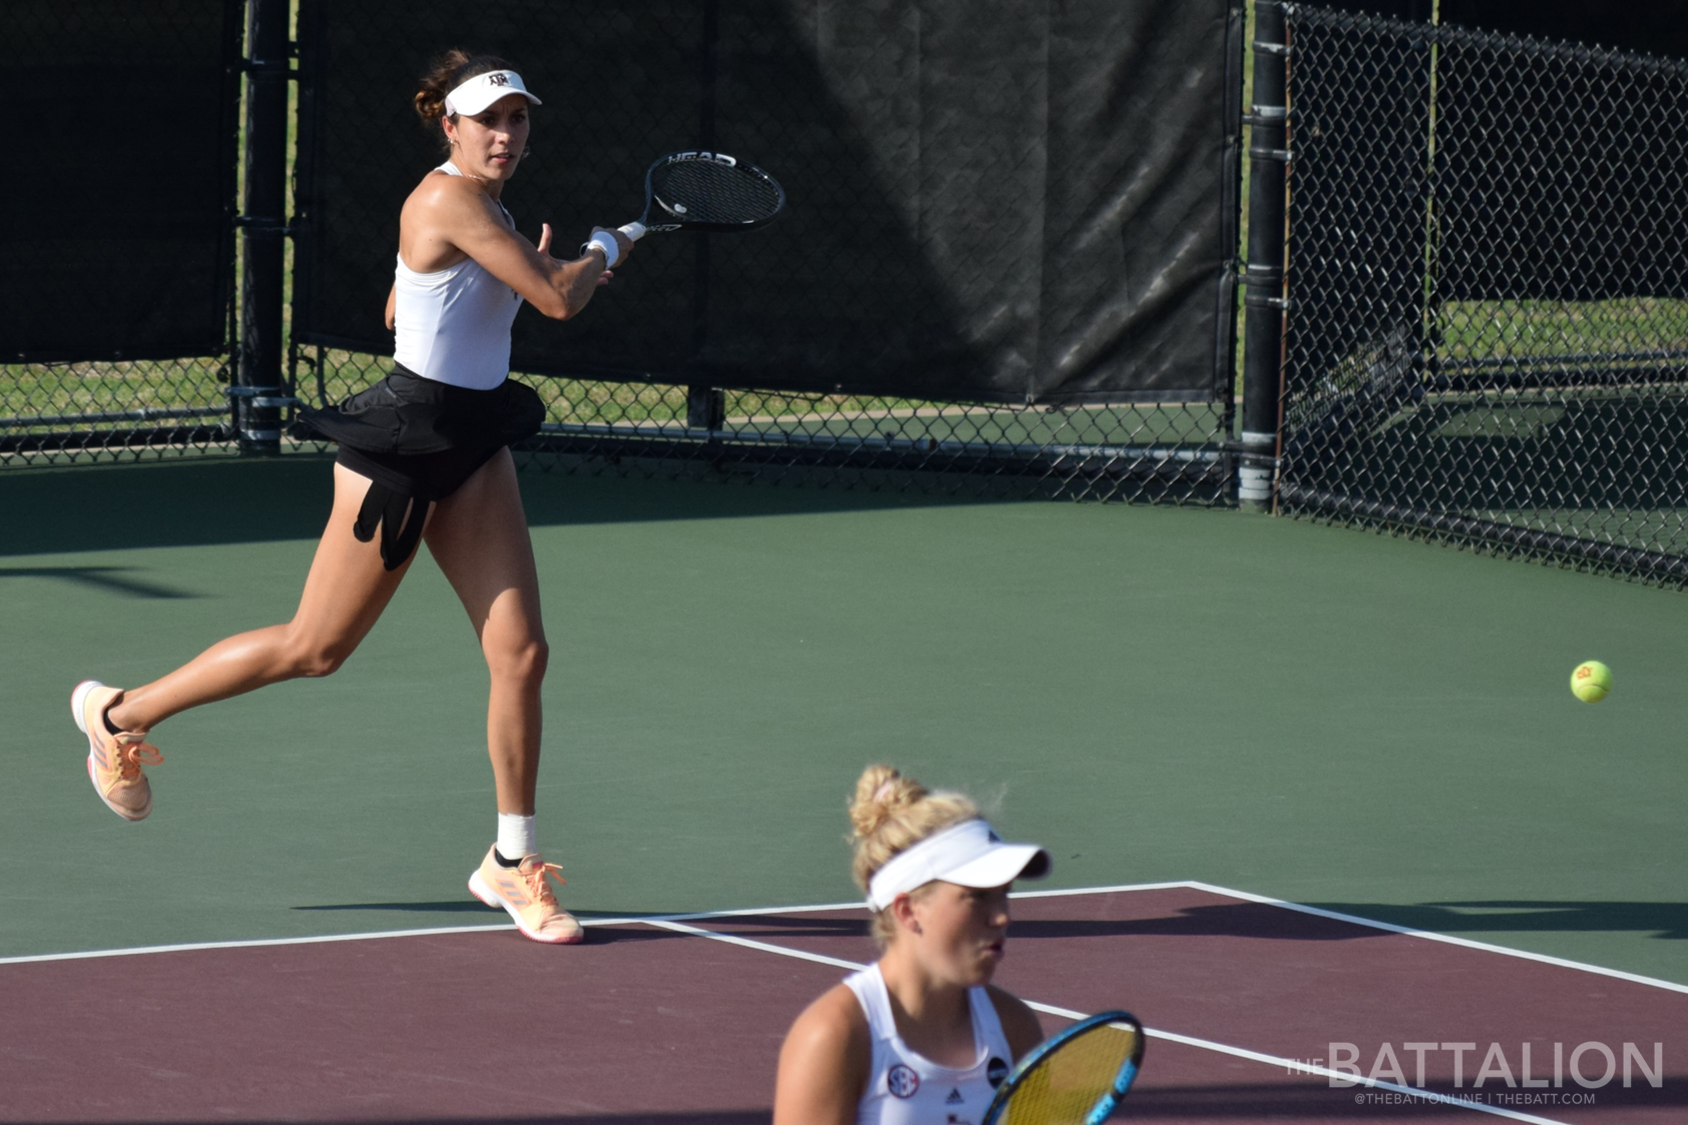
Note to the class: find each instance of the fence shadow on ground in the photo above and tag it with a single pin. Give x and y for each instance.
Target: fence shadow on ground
(248, 501)
(108, 579)
(1257, 920)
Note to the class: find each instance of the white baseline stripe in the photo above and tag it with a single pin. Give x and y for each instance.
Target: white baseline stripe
(1121, 888)
(252, 943)
(628, 920)
(751, 943)
(1170, 1036)
(631, 919)
(319, 939)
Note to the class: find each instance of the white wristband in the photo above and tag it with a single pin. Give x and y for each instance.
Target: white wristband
(612, 252)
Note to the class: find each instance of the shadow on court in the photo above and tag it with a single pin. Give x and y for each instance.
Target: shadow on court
(456, 906)
(1247, 920)
(108, 579)
(249, 501)
(1243, 920)
(1662, 919)
(470, 906)
(1230, 920)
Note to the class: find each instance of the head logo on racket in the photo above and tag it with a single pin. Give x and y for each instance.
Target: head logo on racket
(902, 1081)
(706, 191)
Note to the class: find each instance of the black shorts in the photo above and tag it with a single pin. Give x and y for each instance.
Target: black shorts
(418, 440)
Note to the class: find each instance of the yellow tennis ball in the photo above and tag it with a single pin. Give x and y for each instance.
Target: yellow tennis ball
(1591, 681)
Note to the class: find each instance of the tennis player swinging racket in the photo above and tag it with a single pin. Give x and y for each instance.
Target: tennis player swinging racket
(921, 1035)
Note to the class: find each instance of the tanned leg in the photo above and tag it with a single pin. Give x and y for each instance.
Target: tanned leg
(479, 537)
(345, 592)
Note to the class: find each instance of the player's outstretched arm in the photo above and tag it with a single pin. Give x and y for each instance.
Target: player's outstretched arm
(450, 215)
(824, 1063)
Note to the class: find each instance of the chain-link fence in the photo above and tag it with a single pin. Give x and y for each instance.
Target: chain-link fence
(1486, 334)
(1172, 452)
(953, 299)
(103, 410)
(944, 300)
(1487, 337)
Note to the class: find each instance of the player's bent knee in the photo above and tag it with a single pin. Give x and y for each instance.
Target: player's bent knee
(525, 662)
(315, 660)
(320, 664)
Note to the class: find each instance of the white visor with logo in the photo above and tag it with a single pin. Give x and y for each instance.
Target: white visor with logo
(969, 854)
(475, 95)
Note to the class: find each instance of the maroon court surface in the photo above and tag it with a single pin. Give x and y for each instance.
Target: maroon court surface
(650, 1024)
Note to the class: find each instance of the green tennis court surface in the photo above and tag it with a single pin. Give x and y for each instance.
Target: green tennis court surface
(1370, 725)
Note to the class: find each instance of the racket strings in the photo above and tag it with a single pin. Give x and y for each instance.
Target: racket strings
(703, 191)
(1071, 1082)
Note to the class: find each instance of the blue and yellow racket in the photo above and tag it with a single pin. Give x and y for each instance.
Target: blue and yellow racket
(1074, 1078)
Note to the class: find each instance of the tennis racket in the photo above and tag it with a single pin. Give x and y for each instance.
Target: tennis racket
(1074, 1078)
(706, 191)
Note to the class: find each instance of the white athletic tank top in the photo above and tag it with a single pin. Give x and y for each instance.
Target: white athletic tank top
(453, 325)
(908, 1089)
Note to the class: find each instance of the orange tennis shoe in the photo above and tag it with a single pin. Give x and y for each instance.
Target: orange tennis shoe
(525, 894)
(114, 760)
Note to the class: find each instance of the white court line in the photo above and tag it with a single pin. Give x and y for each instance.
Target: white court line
(319, 939)
(1123, 888)
(259, 943)
(380, 935)
(1431, 935)
(1171, 1036)
(251, 943)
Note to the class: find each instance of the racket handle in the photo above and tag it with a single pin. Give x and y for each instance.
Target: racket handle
(634, 230)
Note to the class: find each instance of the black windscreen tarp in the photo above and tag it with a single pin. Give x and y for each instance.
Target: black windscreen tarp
(988, 200)
(117, 211)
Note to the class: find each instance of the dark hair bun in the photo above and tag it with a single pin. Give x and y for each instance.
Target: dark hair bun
(447, 72)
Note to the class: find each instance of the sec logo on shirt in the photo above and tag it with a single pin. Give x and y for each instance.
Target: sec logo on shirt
(902, 1081)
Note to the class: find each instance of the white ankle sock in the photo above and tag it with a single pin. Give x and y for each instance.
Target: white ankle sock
(517, 837)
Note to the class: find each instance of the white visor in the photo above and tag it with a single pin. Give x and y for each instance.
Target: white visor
(969, 854)
(481, 91)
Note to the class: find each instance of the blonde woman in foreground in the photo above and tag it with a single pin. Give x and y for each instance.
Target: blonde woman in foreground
(921, 1035)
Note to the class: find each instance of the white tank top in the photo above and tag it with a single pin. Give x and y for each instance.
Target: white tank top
(453, 325)
(908, 1089)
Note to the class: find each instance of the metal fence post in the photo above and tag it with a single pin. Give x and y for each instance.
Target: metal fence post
(706, 408)
(260, 395)
(1264, 294)
(705, 405)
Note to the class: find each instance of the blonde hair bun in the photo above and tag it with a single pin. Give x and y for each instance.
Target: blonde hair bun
(880, 793)
(890, 813)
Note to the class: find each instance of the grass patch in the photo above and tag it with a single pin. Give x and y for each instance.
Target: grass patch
(1540, 329)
